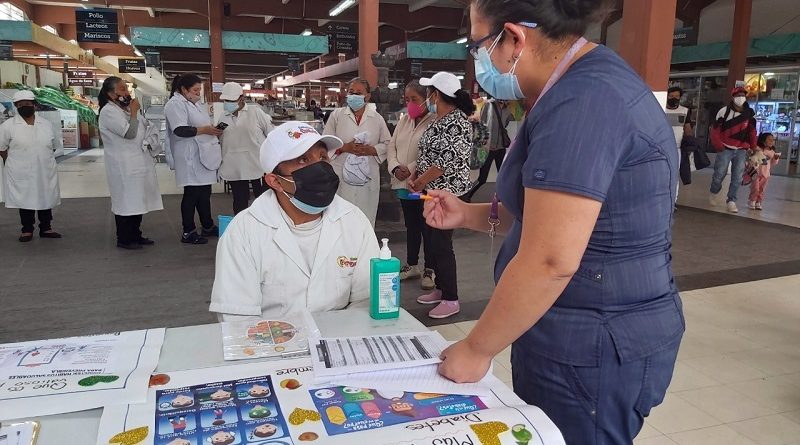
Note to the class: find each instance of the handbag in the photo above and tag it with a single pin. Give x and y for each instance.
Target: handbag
(480, 137)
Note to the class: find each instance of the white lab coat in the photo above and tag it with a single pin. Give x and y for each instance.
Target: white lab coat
(342, 123)
(260, 270)
(130, 169)
(241, 144)
(195, 159)
(30, 176)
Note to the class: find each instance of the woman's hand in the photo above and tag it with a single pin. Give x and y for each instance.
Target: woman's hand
(364, 150)
(444, 211)
(348, 147)
(135, 106)
(209, 130)
(462, 364)
(402, 173)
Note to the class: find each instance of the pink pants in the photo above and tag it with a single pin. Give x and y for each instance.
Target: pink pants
(757, 188)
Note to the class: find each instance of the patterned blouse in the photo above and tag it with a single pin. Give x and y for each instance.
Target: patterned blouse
(447, 144)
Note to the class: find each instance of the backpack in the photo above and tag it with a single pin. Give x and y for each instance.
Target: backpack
(480, 137)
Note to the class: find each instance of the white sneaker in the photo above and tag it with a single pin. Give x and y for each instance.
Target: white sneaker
(407, 272)
(759, 206)
(732, 207)
(751, 205)
(714, 199)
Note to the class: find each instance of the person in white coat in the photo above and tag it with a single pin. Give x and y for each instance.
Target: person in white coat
(358, 162)
(299, 245)
(194, 153)
(30, 176)
(248, 127)
(130, 170)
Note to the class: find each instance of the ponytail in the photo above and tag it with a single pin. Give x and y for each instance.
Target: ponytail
(108, 85)
(183, 81)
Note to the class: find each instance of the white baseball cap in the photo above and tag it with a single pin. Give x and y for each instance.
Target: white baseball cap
(23, 95)
(231, 91)
(443, 81)
(289, 141)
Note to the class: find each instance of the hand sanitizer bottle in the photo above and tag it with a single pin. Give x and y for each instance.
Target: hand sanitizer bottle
(384, 291)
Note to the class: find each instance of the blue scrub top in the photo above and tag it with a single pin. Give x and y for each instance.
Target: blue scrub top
(600, 133)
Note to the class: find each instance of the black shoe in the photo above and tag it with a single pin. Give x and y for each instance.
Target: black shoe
(145, 241)
(193, 238)
(129, 246)
(26, 238)
(51, 234)
(213, 231)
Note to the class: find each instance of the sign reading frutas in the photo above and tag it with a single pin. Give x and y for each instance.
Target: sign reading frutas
(97, 25)
(80, 78)
(130, 65)
(293, 64)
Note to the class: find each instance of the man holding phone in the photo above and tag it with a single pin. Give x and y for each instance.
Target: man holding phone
(245, 129)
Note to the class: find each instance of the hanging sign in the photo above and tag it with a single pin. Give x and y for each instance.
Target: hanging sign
(5, 50)
(342, 38)
(131, 65)
(97, 25)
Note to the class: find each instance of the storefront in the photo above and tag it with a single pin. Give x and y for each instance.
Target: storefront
(773, 93)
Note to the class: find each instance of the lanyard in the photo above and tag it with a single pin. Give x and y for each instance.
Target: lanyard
(561, 68)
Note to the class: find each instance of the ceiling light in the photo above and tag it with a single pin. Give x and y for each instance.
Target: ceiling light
(460, 77)
(392, 85)
(138, 53)
(306, 32)
(124, 39)
(335, 90)
(462, 40)
(315, 81)
(769, 74)
(338, 9)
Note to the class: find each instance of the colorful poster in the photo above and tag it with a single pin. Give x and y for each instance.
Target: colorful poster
(46, 377)
(237, 412)
(346, 409)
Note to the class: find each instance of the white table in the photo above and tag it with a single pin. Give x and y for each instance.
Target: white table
(194, 347)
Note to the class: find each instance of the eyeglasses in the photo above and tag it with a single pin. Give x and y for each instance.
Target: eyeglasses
(474, 47)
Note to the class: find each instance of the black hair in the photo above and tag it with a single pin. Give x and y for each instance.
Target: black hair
(184, 81)
(462, 101)
(762, 139)
(108, 85)
(674, 89)
(416, 87)
(557, 19)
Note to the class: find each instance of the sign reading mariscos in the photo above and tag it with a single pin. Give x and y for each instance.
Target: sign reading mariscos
(97, 25)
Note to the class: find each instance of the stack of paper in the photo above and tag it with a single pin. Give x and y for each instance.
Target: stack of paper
(405, 362)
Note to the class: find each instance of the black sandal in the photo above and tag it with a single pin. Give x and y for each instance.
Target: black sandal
(193, 238)
(26, 238)
(51, 234)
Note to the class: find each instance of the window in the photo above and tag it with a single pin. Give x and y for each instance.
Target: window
(10, 12)
(50, 29)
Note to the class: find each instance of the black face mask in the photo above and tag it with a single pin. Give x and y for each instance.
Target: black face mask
(26, 111)
(673, 102)
(315, 185)
(124, 101)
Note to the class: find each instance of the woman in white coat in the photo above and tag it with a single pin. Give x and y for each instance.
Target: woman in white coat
(130, 170)
(358, 162)
(248, 127)
(195, 155)
(30, 176)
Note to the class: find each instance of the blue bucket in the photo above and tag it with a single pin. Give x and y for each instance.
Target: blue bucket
(224, 220)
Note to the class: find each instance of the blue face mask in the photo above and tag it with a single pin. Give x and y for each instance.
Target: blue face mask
(431, 105)
(303, 207)
(498, 85)
(355, 102)
(230, 107)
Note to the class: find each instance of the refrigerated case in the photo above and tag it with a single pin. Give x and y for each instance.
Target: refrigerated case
(773, 93)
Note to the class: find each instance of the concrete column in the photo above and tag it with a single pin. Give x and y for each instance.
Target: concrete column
(646, 42)
(367, 40)
(740, 41)
(215, 13)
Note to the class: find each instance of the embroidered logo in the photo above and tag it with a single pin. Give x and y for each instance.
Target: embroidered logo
(344, 262)
(541, 175)
(297, 134)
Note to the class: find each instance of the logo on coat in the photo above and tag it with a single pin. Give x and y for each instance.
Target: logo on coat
(343, 262)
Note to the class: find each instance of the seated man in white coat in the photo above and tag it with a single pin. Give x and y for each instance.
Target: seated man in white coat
(299, 245)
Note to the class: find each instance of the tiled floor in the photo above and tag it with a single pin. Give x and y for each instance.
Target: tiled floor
(737, 380)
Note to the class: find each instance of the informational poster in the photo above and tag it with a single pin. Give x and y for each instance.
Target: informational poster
(277, 403)
(46, 377)
(69, 128)
(346, 409)
(284, 338)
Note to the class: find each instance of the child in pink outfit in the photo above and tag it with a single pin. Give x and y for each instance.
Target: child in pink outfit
(766, 157)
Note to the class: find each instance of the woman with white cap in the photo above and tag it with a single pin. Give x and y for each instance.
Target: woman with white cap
(443, 164)
(247, 127)
(31, 178)
(357, 163)
(299, 245)
(130, 169)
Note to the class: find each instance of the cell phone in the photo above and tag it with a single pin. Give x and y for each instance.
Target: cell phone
(222, 126)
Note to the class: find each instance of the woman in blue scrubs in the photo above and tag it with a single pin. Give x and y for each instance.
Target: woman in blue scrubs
(585, 288)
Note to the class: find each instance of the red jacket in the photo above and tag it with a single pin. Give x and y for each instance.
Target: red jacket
(739, 131)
